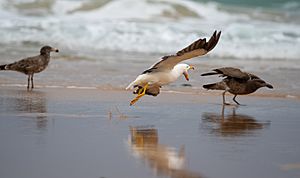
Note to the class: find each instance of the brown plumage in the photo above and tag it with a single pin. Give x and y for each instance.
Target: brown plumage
(152, 90)
(236, 82)
(31, 65)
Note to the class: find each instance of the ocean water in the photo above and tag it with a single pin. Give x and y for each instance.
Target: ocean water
(256, 35)
(251, 29)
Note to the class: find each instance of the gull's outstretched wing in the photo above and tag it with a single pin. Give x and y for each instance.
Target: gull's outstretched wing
(197, 48)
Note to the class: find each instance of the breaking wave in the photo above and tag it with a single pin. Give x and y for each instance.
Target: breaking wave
(152, 26)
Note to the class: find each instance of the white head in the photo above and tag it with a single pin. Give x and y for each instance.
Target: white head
(183, 69)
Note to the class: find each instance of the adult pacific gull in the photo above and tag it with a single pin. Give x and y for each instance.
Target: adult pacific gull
(235, 82)
(31, 65)
(167, 70)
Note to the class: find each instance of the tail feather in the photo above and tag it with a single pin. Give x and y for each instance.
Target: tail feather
(130, 85)
(215, 86)
(138, 81)
(2, 67)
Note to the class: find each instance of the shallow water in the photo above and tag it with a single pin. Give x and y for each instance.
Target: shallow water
(94, 133)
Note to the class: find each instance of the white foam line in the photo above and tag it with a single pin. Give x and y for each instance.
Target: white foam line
(13, 85)
(50, 86)
(77, 87)
(291, 96)
(61, 115)
(53, 86)
(178, 92)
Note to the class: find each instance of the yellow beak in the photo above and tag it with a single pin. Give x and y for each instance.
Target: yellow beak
(186, 75)
(55, 50)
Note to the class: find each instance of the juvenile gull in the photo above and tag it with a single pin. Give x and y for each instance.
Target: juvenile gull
(31, 65)
(167, 70)
(236, 82)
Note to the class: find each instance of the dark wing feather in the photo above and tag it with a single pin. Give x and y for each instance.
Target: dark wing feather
(216, 86)
(233, 73)
(236, 73)
(26, 65)
(252, 76)
(229, 72)
(226, 71)
(197, 48)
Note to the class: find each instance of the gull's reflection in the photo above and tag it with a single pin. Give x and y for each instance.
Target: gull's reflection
(231, 124)
(164, 160)
(27, 103)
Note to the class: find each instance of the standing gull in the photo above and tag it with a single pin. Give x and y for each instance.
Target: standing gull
(31, 65)
(167, 70)
(236, 82)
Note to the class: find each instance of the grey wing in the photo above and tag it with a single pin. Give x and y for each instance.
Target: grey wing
(197, 48)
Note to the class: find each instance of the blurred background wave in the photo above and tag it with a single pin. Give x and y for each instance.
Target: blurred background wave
(251, 29)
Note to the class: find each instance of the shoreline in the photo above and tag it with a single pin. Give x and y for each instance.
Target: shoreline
(110, 76)
(182, 91)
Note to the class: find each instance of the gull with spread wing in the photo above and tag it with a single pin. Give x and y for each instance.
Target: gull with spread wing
(169, 68)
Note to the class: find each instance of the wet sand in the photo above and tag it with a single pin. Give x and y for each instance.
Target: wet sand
(58, 132)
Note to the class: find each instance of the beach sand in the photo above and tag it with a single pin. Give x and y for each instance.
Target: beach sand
(65, 132)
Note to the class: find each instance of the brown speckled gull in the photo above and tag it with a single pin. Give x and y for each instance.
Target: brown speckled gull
(235, 82)
(31, 65)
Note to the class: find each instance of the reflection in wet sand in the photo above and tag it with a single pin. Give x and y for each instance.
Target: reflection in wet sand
(164, 160)
(27, 102)
(232, 124)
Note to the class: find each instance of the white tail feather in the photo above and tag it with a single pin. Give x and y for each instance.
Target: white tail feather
(140, 80)
(130, 85)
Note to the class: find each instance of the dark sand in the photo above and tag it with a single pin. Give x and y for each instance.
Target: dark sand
(76, 133)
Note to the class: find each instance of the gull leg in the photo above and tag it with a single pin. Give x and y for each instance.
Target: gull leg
(224, 103)
(31, 81)
(140, 91)
(28, 82)
(223, 109)
(235, 100)
(140, 94)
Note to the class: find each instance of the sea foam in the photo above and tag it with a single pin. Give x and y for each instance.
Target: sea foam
(149, 27)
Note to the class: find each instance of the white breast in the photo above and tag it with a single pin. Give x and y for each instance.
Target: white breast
(158, 78)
